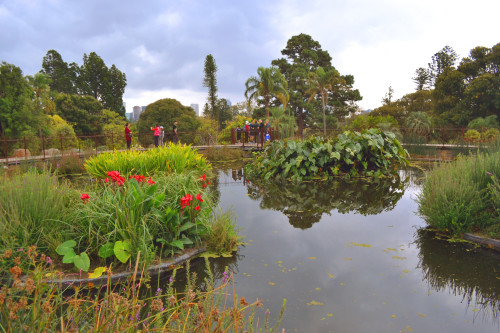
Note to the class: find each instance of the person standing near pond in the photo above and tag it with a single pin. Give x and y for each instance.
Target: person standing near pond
(175, 138)
(156, 131)
(162, 134)
(128, 136)
(238, 133)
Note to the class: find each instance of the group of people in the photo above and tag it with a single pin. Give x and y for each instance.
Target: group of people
(251, 131)
(158, 135)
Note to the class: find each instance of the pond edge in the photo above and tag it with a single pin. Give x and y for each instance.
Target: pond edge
(115, 278)
(489, 242)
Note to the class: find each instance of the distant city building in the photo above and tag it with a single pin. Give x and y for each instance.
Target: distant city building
(129, 115)
(143, 108)
(137, 110)
(229, 102)
(196, 109)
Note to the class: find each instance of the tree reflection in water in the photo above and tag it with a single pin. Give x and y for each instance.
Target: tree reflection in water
(462, 270)
(304, 203)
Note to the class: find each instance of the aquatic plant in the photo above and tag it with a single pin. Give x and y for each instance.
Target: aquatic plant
(370, 153)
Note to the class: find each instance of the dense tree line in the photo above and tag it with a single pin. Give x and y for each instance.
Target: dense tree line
(82, 96)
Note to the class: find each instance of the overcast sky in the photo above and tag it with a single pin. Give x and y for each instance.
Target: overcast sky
(161, 45)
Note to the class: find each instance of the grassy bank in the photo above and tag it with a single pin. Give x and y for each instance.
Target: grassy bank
(464, 195)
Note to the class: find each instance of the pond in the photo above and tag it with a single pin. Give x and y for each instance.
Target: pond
(353, 257)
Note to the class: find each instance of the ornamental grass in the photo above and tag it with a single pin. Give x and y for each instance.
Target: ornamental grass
(168, 159)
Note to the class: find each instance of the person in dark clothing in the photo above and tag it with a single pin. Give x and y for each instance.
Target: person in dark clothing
(175, 138)
(128, 136)
(238, 133)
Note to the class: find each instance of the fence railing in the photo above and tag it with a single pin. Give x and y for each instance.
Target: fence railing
(50, 146)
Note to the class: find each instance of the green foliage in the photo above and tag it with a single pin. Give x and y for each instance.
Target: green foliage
(370, 153)
(222, 234)
(302, 55)
(456, 196)
(84, 113)
(206, 134)
(268, 84)
(32, 206)
(418, 122)
(164, 112)
(16, 115)
(482, 123)
(171, 158)
(472, 135)
(364, 122)
(225, 135)
(210, 81)
(58, 127)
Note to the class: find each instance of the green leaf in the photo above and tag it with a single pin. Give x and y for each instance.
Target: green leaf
(178, 243)
(186, 241)
(66, 247)
(68, 257)
(106, 250)
(122, 250)
(82, 261)
(186, 226)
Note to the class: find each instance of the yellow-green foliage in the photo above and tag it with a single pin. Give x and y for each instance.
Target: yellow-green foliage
(171, 158)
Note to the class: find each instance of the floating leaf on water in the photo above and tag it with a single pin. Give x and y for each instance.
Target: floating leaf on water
(323, 318)
(475, 310)
(347, 258)
(279, 262)
(330, 314)
(399, 258)
(331, 275)
(227, 255)
(393, 316)
(421, 315)
(275, 231)
(341, 283)
(406, 271)
(390, 226)
(266, 265)
(358, 244)
(315, 303)
(317, 288)
(272, 283)
(384, 303)
(248, 275)
(312, 258)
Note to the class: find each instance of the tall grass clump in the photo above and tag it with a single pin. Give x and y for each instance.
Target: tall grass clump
(222, 233)
(33, 207)
(460, 196)
(171, 158)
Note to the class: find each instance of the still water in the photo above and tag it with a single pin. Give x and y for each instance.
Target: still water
(353, 257)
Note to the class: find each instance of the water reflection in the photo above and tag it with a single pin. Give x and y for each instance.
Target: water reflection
(448, 266)
(305, 203)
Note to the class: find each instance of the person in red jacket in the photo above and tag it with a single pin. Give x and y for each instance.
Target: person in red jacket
(128, 135)
(156, 130)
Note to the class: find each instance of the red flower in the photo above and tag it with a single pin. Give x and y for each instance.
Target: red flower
(204, 177)
(198, 197)
(186, 200)
(107, 180)
(85, 197)
(197, 208)
(151, 182)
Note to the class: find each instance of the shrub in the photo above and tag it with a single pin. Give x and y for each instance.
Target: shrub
(222, 235)
(456, 196)
(472, 135)
(371, 153)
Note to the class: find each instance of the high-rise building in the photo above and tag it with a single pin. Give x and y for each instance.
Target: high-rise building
(136, 111)
(196, 109)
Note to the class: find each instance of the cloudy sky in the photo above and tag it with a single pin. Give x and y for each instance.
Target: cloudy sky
(161, 45)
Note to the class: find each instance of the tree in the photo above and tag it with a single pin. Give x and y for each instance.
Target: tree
(387, 100)
(84, 113)
(303, 55)
(418, 122)
(441, 60)
(210, 81)
(41, 102)
(105, 85)
(62, 76)
(269, 83)
(320, 82)
(15, 114)
(164, 112)
(422, 78)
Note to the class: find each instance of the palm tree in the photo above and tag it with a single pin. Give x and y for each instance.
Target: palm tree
(269, 83)
(320, 82)
(418, 122)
